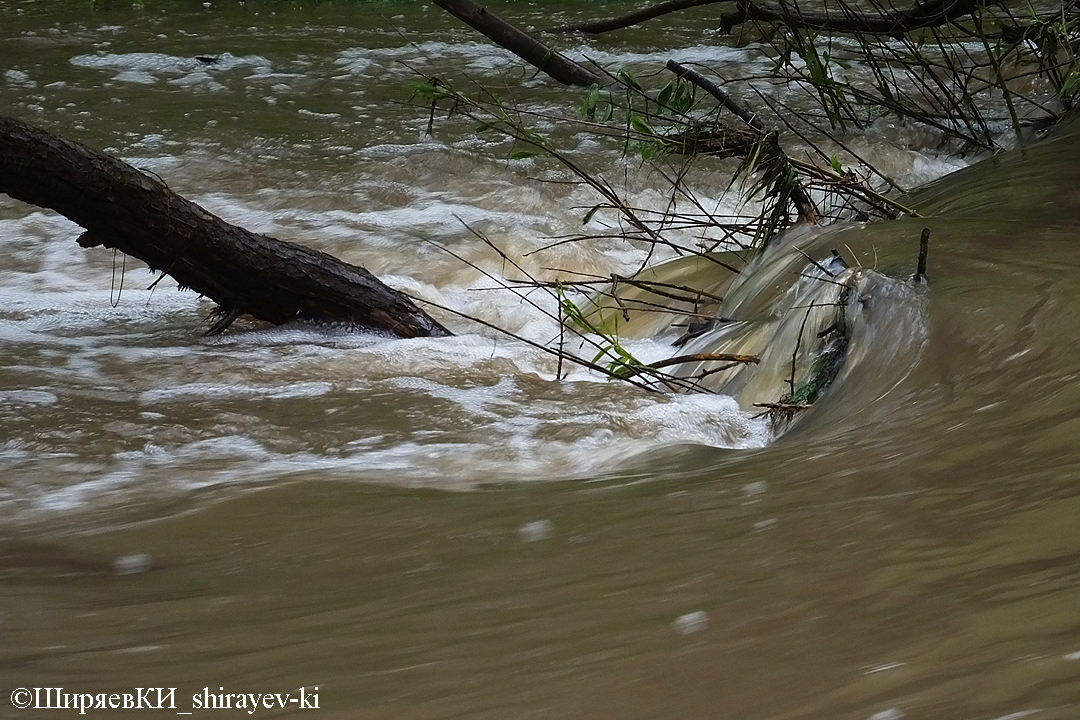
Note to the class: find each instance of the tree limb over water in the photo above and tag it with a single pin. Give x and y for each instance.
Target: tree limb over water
(524, 46)
(243, 272)
(597, 27)
(794, 191)
(931, 13)
(847, 19)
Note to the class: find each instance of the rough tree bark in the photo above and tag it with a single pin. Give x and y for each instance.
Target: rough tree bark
(243, 272)
(524, 46)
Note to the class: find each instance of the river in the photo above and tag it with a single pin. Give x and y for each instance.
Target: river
(438, 528)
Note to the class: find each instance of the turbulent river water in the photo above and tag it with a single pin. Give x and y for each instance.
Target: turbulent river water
(440, 528)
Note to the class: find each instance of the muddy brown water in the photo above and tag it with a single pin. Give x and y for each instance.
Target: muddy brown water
(426, 530)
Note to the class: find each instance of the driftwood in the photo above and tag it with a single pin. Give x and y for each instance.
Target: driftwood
(243, 272)
(524, 46)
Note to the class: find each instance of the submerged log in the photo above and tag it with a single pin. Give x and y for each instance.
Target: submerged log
(243, 272)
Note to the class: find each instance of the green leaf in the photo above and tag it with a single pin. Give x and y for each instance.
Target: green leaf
(523, 154)
(626, 77)
(641, 125)
(664, 98)
(431, 91)
(609, 112)
(1070, 83)
(683, 98)
(835, 162)
(571, 311)
(588, 107)
(589, 215)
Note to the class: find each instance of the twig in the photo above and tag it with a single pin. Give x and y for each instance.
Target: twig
(798, 343)
(696, 357)
(798, 195)
(717, 92)
(815, 263)
(785, 407)
(568, 356)
(227, 318)
(924, 249)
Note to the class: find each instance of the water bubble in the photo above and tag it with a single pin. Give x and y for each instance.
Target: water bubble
(536, 530)
(132, 564)
(692, 622)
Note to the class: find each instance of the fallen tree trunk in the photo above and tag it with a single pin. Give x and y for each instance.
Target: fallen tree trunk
(243, 272)
(648, 13)
(521, 44)
(894, 23)
(872, 20)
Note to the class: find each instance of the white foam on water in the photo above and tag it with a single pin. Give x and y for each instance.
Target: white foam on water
(81, 494)
(474, 55)
(199, 79)
(138, 77)
(186, 73)
(691, 623)
(478, 57)
(217, 391)
(132, 565)
(27, 397)
(18, 77)
(354, 60)
(890, 714)
(519, 428)
(161, 64)
(455, 412)
(706, 55)
(484, 407)
(536, 530)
